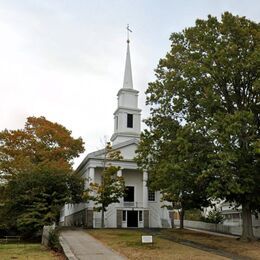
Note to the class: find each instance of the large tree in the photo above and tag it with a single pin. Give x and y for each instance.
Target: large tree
(36, 173)
(174, 157)
(209, 81)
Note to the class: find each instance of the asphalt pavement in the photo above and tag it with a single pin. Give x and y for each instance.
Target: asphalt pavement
(79, 245)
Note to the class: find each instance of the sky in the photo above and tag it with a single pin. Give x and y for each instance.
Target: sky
(64, 59)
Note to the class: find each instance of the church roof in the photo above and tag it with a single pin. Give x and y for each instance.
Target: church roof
(98, 153)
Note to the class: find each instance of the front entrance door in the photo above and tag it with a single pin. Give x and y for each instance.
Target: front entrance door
(132, 218)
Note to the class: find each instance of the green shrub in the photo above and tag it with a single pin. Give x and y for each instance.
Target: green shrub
(54, 242)
(213, 217)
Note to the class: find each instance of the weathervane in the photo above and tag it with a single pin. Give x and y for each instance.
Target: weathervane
(128, 30)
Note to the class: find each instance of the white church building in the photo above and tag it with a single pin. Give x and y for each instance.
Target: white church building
(139, 208)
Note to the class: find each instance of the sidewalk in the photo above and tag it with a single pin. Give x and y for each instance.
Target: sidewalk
(78, 244)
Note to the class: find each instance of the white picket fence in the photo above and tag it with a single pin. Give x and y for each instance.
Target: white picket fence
(233, 230)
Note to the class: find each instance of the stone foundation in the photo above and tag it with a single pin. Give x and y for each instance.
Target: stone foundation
(119, 218)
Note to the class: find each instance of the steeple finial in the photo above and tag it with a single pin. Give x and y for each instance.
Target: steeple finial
(128, 81)
(128, 30)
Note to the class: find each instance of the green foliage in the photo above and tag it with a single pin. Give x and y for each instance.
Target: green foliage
(54, 242)
(35, 198)
(37, 174)
(208, 83)
(257, 147)
(213, 217)
(193, 214)
(175, 156)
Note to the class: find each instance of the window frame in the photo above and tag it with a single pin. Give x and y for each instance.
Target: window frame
(151, 196)
(130, 120)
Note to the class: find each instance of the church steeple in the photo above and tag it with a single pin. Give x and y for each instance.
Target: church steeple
(128, 79)
(127, 117)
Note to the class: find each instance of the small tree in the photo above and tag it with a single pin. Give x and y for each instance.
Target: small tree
(213, 216)
(111, 188)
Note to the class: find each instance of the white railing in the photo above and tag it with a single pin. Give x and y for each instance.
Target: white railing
(132, 204)
(128, 204)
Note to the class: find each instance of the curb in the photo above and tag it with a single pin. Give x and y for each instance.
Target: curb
(66, 249)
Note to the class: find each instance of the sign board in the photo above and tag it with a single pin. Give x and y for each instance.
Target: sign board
(147, 239)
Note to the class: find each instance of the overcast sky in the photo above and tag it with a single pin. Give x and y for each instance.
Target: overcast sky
(64, 59)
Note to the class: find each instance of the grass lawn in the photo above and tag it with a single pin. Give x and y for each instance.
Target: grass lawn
(231, 245)
(166, 246)
(128, 243)
(26, 252)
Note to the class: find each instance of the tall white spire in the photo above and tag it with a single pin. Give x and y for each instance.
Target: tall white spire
(127, 117)
(128, 80)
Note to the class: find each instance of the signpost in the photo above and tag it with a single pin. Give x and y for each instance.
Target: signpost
(147, 239)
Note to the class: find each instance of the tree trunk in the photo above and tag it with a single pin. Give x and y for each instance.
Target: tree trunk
(247, 233)
(102, 218)
(181, 218)
(172, 220)
(172, 215)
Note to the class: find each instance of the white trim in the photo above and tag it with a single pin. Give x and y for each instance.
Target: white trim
(93, 155)
(126, 109)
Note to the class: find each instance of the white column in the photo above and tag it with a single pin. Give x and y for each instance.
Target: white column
(91, 179)
(91, 174)
(145, 190)
(120, 174)
(86, 181)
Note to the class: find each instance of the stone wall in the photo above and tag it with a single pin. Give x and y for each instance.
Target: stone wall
(146, 218)
(46, 234)
(119, 218)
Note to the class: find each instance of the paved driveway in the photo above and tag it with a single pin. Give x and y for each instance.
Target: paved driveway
(78, 244)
